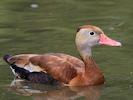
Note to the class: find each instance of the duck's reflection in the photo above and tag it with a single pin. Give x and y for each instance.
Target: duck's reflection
(44, 92)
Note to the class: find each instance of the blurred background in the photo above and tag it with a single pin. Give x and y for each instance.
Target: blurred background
(41, 26)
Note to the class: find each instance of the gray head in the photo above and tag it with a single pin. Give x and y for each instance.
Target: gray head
(89, 36)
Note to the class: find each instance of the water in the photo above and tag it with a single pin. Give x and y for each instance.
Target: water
(41, 26)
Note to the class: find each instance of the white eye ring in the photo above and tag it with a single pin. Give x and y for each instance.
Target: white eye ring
(92, 33)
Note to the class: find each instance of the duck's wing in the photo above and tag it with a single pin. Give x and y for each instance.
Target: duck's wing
(60, 66)
(23, 61)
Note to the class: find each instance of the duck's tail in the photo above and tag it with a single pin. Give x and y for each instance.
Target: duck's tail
(36, 77)
(6, 57)
(19, 72)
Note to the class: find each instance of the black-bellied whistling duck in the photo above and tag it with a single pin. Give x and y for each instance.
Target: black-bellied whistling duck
(66, 68)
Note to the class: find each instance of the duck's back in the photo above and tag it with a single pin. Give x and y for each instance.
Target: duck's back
(60, 66)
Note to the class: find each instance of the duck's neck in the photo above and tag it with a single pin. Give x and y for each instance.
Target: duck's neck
(85, 53)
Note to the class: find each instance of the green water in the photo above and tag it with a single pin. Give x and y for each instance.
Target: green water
(41, 26)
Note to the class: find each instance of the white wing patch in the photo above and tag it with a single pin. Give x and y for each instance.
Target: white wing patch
(33, 68)
(30, 67)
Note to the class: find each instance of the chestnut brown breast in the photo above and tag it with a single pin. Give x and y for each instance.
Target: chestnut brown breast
(91, 76)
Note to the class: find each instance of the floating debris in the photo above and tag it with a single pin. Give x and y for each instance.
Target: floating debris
(34, 5)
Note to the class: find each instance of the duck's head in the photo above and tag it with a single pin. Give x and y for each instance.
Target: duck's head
(88, 36)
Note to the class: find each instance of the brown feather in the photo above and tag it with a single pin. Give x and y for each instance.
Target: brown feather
(61, 66)
(65, 68)
(92, 75)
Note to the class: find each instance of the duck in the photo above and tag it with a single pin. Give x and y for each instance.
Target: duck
(64, 68)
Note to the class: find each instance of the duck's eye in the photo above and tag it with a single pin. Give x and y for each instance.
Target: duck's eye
(92, 33)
